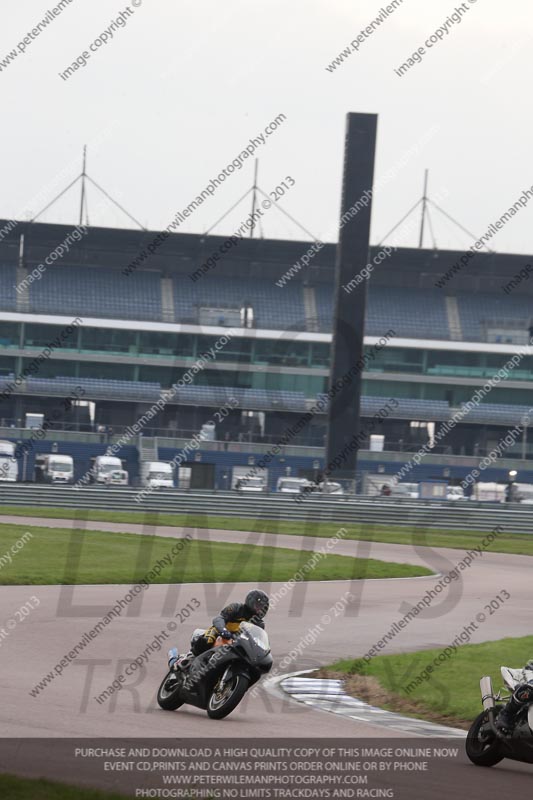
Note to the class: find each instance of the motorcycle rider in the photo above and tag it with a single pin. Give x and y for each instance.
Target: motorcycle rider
(225, 624)
(522, 696)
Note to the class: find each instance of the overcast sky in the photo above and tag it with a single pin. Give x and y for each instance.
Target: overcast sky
(180, 90)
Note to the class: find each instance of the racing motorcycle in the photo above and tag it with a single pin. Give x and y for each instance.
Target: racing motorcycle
(485, 744)
(218, 679)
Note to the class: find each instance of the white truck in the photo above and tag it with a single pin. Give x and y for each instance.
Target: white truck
(157, 475)
(331, 488)
(8, 463)
(250, 485)
(117, 477)
(102, 470)
(455, 493)
(292, 485)
(54, 468)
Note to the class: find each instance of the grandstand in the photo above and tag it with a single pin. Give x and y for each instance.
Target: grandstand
(142, 332)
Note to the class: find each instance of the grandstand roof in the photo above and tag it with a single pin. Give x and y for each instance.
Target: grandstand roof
(182, 253)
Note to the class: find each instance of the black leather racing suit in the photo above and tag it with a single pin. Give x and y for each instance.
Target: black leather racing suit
(230, 618)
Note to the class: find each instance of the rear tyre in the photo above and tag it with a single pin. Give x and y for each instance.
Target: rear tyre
(483, 748)
(222, 703)
(168, 694)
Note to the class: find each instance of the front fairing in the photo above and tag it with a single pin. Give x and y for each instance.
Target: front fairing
(249, 654)
(254, 646)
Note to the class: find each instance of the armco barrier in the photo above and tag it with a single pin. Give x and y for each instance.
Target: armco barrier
(372, 511)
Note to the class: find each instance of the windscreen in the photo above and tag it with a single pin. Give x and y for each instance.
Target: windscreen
(61, 466)
(256, 633)
(107, 468)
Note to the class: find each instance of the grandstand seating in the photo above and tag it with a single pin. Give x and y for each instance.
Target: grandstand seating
(247, 398)
(262, 399)
(416, 313)
(145, 391)
(324, 306)
(411, 408)
(95, 292)
(211, 395)
(273, 308)
(8, 293)
(97, 387)
(475, 310)
(412, 313)
(498, 414)
(5, 380)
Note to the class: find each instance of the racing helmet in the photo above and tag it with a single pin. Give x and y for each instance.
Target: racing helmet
(258, 602)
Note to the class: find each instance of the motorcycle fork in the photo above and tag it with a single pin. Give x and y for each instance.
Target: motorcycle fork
(224, 679)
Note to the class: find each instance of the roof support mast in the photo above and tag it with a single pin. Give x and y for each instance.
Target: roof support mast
(254, 198)
(424, 208)
(83, 176)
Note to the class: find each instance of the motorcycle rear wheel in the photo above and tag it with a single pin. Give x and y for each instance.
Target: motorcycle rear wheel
(485, 753)
(223, 703)
(168, 694)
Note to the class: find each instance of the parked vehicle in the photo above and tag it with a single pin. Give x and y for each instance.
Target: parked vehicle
(250, 485)
(157, 475)
(488, 492)
(523, 493)
(330, 488)
(54, 468)
(8, 463)
(455, 493)
(292, 485)
(103, 466)
(405, 489)
(117, 477)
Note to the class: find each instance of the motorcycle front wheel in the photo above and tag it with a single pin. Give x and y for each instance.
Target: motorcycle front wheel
(168, 694)
(224, 700)
(482, 746)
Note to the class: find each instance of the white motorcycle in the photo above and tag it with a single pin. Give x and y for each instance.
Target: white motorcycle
(486, 745)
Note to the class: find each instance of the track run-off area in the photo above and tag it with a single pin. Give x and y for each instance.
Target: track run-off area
(67, 706)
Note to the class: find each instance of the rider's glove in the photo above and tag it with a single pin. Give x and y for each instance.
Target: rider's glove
(226, 634)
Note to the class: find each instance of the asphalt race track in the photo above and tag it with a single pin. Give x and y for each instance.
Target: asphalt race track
(67, 708)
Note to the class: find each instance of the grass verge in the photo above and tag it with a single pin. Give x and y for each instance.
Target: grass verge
(63, 556)
(520, 544)
(450, 694)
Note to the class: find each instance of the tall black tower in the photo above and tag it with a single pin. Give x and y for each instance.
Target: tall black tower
(349, 306)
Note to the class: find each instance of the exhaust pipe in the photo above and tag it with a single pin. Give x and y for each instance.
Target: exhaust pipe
(487, 698)
(487, 695)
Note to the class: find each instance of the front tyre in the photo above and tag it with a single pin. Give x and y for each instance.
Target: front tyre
(482, 746)
(223, 701)
(168, 694)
